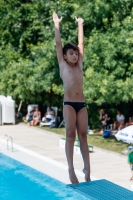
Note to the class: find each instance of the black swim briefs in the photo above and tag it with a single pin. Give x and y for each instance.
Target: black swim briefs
(76, 105)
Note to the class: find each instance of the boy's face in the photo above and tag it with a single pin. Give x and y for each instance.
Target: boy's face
(71, 56)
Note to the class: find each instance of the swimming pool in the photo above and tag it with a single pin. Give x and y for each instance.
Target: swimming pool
(20, 182)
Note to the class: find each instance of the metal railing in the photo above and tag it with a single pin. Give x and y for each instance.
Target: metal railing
(6, 138)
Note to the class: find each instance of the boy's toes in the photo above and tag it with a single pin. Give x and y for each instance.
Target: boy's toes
(73, 177)
(75, 181)
(87, 175)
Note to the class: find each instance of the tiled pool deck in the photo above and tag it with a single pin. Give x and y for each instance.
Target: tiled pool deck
(40, 150)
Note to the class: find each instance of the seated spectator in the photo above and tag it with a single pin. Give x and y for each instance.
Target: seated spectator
(120, 121)
(105, 120)
(49, 115)
(130, 122)
(36, 117)
(29, 116)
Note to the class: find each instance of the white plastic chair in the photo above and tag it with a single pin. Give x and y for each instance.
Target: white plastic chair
(109, 127)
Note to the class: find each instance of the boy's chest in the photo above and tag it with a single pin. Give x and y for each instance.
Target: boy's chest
(72, 73)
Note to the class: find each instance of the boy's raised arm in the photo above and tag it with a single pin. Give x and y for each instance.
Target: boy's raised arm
(58, 37)
(80, 22)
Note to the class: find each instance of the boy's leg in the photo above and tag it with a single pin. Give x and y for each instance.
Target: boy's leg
(70, 124)
(82, 125)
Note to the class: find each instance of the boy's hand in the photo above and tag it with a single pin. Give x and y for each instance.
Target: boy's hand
(56, 18)
(79, 20)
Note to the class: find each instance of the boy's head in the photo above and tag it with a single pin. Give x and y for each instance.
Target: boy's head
(71, 53)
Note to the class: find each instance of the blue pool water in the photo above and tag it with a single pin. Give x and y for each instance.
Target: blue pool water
(20, 182)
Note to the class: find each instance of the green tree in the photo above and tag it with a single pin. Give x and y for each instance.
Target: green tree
(29, 68)
(108, 50)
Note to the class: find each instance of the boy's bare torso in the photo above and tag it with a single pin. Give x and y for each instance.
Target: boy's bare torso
(72, 77)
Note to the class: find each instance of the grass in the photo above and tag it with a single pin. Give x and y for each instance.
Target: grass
(97, 140)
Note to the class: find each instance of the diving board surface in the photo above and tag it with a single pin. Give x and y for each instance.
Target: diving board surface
(102, 190)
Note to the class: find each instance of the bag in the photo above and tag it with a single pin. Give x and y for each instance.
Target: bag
(106, 134)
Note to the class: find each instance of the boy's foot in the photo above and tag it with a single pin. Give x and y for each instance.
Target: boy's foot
(87, 175)
(73, 177)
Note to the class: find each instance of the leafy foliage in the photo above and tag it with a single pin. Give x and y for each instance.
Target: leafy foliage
(108, 56)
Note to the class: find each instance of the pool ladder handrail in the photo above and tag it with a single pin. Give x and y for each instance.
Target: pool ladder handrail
(5, 138)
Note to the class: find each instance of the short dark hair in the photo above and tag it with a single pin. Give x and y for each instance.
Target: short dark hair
(70, 46)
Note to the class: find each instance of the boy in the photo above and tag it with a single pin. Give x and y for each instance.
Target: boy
(70, 60)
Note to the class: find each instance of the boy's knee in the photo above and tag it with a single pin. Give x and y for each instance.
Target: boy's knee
(70, 135)
(83, 135)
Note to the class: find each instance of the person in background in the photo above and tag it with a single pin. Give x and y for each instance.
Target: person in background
(130, 122)
(36, 117)
(120, 121)
(105, 120)
(49, 115)
(29, 116)
(130, 161)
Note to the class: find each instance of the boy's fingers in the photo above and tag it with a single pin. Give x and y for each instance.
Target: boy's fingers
(54, 14)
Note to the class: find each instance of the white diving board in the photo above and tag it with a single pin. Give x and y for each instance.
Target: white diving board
(102, 190)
